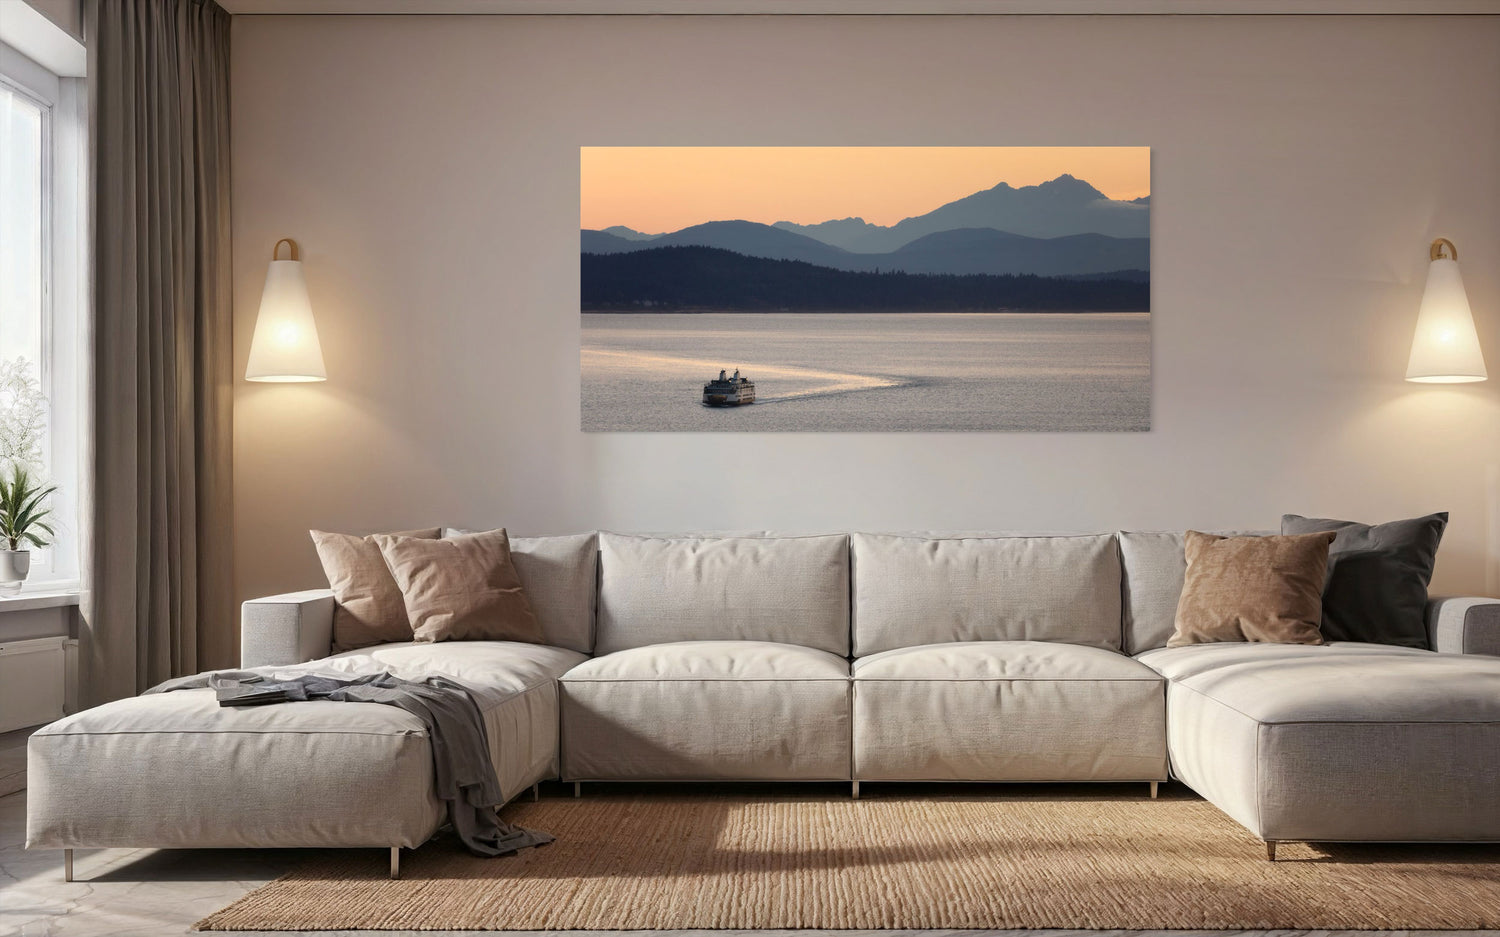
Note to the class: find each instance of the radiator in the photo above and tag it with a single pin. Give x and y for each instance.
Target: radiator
(33, 682)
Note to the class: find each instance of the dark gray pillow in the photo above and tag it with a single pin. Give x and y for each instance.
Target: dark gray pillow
(1376, 590)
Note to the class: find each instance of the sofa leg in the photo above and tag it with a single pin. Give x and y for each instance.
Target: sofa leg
(536, 792)
(67, 865)
(577, 788)
(1153, 789)
(855, 791)
(1270, 851)
(395, 862)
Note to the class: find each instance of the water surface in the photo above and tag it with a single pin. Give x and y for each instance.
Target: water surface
(870, 372)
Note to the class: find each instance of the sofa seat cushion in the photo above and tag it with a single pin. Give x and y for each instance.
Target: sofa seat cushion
(176, 769)
(1001, 660)
(1007, 711)
(1341, 742)
(701, 710)
(1338, 682)
(180, 770)
(712, 660)
(517, 693)
(501, 666)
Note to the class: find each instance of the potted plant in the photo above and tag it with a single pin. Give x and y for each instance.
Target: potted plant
(23, 524)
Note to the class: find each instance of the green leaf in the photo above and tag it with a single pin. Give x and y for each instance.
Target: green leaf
(22, 508)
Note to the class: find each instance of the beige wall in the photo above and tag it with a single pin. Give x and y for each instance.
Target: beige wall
(429, 168)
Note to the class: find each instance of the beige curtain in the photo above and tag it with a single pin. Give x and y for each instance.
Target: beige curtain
(158, 591)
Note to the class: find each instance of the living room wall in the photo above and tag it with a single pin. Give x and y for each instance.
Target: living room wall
(428, 166)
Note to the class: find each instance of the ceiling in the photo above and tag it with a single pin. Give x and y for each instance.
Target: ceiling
(867, 7)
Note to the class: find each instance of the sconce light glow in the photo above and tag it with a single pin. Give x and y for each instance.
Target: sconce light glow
(1445, 349)
(284, 348)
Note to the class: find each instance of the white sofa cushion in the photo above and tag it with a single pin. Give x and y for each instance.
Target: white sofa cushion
(494, 668)
(697, 661)
(913, 591)
(1340, 682)
(1338, 742)
(177, 769)
(959, 661)
(1007, 711)
(560, 576)
(700, 710)
(656, 590)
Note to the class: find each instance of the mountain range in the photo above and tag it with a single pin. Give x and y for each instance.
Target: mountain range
(1064, 227)
(961, 250)
(1062, 206)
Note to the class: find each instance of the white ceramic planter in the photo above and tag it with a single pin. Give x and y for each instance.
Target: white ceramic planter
(15, 565)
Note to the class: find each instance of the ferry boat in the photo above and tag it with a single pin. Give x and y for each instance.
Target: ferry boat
(729, 391)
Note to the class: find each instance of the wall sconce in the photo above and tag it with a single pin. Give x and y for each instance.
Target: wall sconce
(1445, 349)
(285, 347)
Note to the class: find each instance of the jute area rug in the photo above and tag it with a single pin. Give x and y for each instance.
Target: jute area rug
(1055, 857)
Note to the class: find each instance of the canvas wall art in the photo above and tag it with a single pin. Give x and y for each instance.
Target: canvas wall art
(865, 289)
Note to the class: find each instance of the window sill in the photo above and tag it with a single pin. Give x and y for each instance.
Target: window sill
(27, 601)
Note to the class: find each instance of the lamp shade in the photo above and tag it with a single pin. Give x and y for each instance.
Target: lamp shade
(1445, 349)
(285, 345)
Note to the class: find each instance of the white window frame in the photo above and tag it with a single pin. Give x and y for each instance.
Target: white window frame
(60, 368)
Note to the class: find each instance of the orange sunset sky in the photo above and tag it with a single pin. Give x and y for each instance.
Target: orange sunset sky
(656, 189)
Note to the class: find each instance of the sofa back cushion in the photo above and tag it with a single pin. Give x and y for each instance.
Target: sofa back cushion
(911, 591)
(1153, 566)
(792, 590)
(561, 577)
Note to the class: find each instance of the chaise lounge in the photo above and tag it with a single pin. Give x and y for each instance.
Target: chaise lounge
(856, 658)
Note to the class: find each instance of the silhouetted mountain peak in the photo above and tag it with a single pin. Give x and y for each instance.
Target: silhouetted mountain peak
(603, 242)
(629, 234)
(851, 220)
(1068, 187)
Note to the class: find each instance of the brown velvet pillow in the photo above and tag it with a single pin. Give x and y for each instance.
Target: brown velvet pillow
(462, 588)
(1252, 589)
(369, 608)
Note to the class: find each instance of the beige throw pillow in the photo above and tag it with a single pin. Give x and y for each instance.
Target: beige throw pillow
(462, 588)
(369, 609)
(1252, 589)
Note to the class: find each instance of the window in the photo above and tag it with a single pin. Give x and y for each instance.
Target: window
(25, 124)
(42, 230)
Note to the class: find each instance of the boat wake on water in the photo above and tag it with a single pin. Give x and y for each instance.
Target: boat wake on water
(799, 383)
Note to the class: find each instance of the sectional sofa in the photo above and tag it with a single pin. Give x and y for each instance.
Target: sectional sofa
(853, 658)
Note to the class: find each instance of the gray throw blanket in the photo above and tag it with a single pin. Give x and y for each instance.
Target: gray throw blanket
(463, 778)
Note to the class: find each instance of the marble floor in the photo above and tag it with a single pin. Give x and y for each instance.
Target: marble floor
(159, 892)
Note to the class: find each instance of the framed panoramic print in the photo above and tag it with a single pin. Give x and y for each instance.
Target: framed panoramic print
(866, 289)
